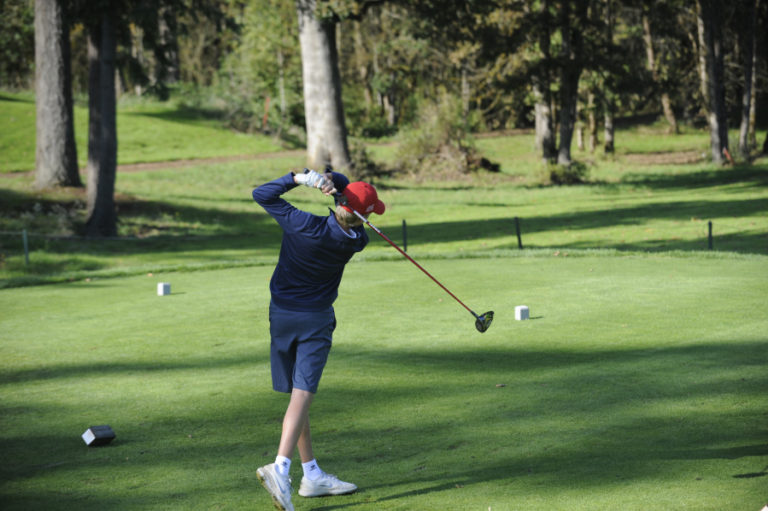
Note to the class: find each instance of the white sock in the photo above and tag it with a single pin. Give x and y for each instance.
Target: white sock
(312, 470)
(282, 465)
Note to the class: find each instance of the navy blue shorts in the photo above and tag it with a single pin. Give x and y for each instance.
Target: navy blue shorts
(300, 345)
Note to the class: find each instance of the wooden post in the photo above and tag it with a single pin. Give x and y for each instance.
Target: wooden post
(405, 237)
(25, 238)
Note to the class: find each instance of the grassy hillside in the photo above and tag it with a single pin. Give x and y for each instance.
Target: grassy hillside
(147, 131)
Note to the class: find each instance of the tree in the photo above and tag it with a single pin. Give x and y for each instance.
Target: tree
(610, 77)
(748, 18)
(711, 58)
(542, 87)
(653, 65)
(102, 127)
(108, 23)
(323, 109)
(571, 19)
(56, 152)
(264, 64)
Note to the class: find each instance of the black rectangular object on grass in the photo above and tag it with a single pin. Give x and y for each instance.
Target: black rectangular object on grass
(98, 435)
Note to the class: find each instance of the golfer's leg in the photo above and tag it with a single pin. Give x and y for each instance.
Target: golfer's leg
(305, 444)
(294, 422)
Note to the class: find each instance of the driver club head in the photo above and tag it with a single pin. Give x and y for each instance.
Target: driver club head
(483, 321)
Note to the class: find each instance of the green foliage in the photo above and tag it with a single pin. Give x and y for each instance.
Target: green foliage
(364, 121)
(263, 67)
(392, 53)
(557, 174)
(17, 43)
(364, 167)
(440, 143)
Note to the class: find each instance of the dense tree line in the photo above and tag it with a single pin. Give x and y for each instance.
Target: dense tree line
(321, 69)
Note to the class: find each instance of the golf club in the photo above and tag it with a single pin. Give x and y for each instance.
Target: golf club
(482, 321)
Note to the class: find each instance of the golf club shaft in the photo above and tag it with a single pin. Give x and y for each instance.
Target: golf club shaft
(369, 224)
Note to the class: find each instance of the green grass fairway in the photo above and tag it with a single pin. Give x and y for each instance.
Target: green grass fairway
(639, 384)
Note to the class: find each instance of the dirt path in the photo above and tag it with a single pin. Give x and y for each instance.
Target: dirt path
(174, 164)
(662, 158)
(665, 158)
(178, 164)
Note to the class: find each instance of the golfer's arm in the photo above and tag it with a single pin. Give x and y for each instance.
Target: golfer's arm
(268, 196)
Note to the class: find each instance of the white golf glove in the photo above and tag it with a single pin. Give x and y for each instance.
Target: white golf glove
(314, 179)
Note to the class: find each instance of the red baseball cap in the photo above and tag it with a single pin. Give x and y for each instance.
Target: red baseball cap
(362, 197)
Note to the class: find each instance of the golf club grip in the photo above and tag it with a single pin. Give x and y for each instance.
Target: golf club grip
(369, 224)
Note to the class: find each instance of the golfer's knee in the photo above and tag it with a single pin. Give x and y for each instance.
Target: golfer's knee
(301, 395)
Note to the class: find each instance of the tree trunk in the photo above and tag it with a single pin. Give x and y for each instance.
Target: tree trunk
(608, 130)
(362, 65)
(592, 122)
(56, 152)
(711, 45)
(580, 135)
(389, 109)
(568, 100)
(465, 92)
(168, 48)
(752, 137)
(669, 113)
(138, 54)
(569, 85)
(609, 96)
(323, 109)
(749, 70)
(281, 89)
(666, 102)
(102, 130)
(545, 131)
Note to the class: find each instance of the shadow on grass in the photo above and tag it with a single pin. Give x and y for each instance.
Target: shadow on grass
(610, 217)
(15, 99)
(752, 176)
(52, 372)
(159, 226)
(177, 229)
(583, 436)
(568, 419)
(183, 114)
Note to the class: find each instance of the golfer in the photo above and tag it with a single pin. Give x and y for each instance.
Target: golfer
(304, 285)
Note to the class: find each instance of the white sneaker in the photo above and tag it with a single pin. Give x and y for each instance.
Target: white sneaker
(278, 486)
(327, 484)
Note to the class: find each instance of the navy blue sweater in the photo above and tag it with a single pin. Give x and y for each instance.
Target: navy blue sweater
(314, 250)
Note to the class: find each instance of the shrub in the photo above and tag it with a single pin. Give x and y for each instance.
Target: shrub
(440, 143)
(364, 167)
(558, 174)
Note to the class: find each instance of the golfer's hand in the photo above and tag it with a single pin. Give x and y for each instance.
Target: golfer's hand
(313, 179)
(327, 186)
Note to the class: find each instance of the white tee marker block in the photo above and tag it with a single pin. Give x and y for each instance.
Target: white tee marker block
(163, 288)
(522, 312)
